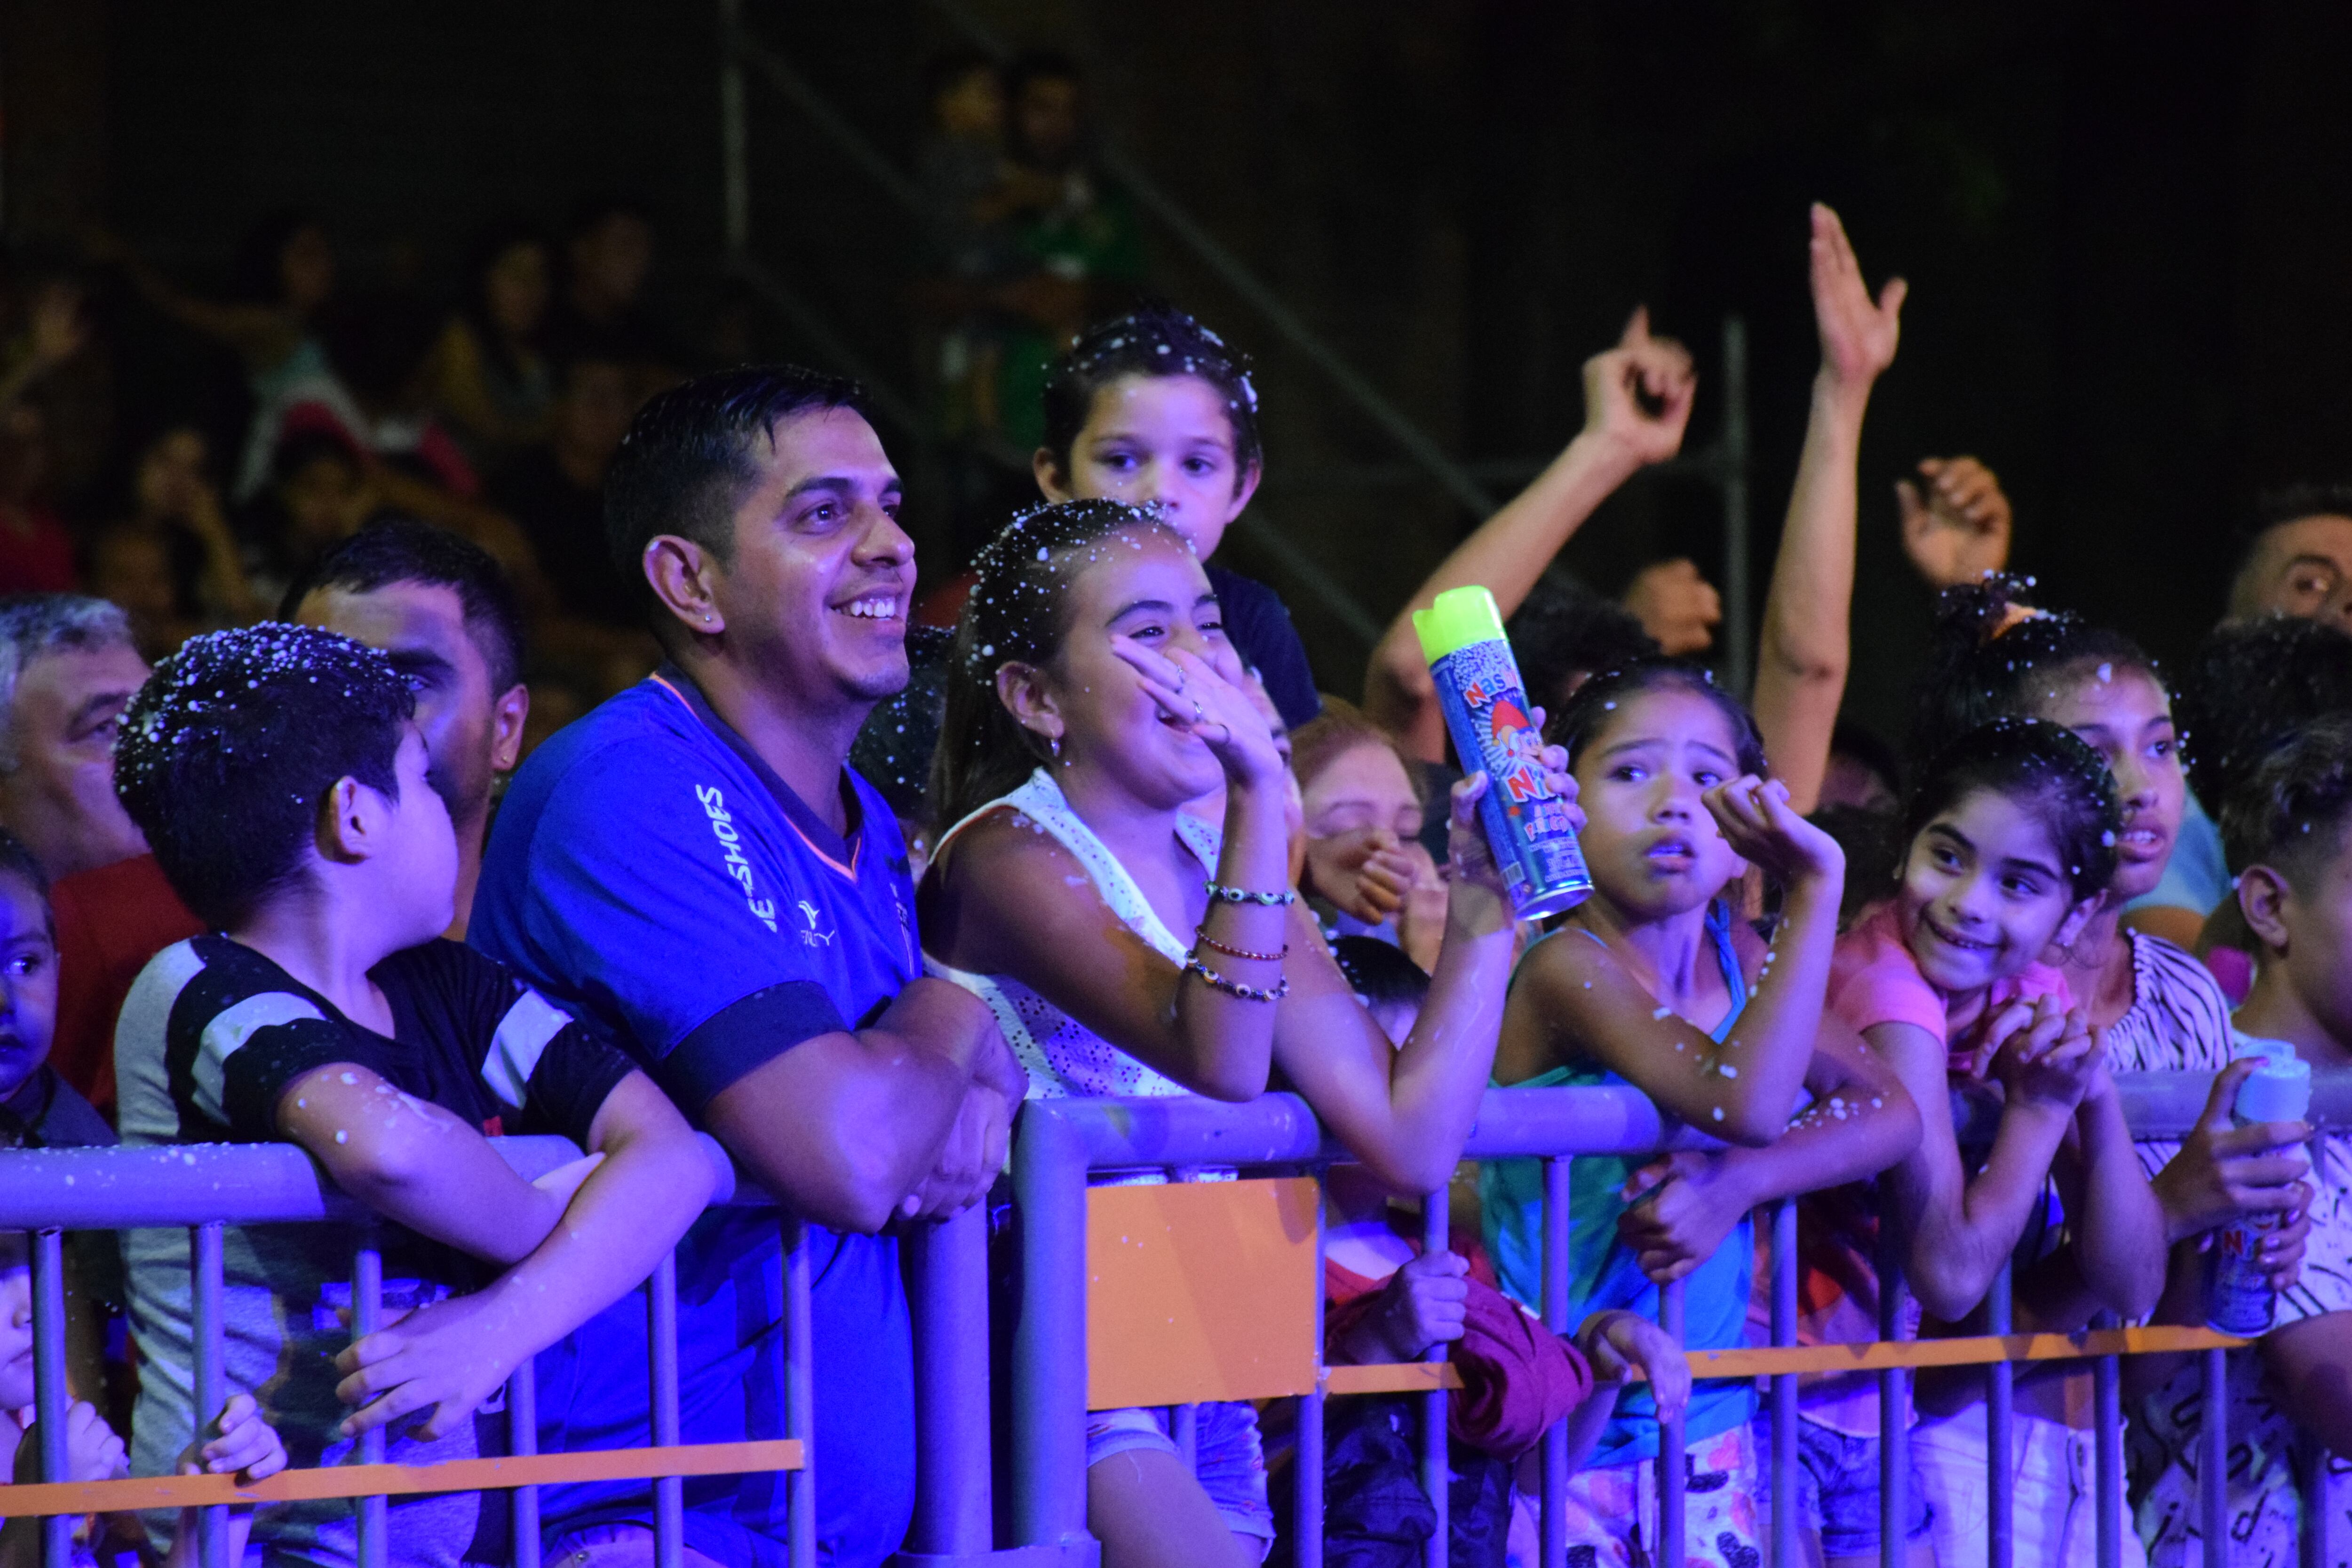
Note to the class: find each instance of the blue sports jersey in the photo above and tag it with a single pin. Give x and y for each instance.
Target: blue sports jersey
(648, 869)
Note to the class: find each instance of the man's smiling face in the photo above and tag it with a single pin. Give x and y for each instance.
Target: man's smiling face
(815, 591)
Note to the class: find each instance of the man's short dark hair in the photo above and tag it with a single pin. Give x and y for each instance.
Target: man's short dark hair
(2250, 686)
(689, 456)
(2289, 812)
(227, 750)
(403, 550)
(2274, 509)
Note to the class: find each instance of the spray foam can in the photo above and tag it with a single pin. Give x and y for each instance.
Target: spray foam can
(2238, 1298)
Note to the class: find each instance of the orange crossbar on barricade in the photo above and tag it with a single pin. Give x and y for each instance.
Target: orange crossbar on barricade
(1420, 1377)
(43, 1498)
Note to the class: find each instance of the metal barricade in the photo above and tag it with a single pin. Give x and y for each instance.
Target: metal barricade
(205, 1187)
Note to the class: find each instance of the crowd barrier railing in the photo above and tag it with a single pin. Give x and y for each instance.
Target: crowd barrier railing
(205, 1187)
(1063, 1144)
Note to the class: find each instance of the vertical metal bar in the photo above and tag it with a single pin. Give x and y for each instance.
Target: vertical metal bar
(1306, 1516)
(1784, 1385)
(2000, 1467)
(954, 1502)
(2311, 1543)
(1738, 620)
(2107, 1451)
(1436, 1466)
(1184, 1429)
(367, 1315)
(522, 1439)
(800, 1394)
(1894, 1427)
(1557, 1189)
(50, 1395)
(1049, 1355)
(2213, 1467)
(205, 1286)
(734, 130)
(669, 1491)
(1674, 1541)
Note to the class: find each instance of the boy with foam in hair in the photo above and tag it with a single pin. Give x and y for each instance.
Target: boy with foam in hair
(280, 777)
(2286, 829)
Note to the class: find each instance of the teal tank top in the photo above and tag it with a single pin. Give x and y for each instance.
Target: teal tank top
(1602, 1272)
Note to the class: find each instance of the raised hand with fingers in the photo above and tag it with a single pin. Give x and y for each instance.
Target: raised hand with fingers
(1755, 817)
(1472, 857)
(1957, 528)
(1197, 698)
(1858, 333)
(1637, 395)
(1675, 604)
(2050, 1057)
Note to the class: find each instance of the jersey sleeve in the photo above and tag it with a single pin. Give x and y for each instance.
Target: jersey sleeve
(246, 1050)
(643, 902)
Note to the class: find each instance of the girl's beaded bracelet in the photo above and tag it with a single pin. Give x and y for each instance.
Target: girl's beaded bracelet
(1235, 988)
(1224, 895)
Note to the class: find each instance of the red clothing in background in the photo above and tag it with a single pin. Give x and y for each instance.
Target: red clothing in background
(111, 921)
(1518, 1377)
(36, 553)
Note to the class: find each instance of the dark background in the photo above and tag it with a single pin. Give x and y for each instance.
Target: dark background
(2124, 226)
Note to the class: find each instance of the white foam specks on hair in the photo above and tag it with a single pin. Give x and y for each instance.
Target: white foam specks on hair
(2107, 672)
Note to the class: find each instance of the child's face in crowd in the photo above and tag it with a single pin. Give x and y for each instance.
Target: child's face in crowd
(1649, 841)
(15, 1324)
(971, 107)
(1148, 588)
(28, 982)
(321, 500)
(1984, 893)
(1364, 787)
(421, 848)
(1163, 440)
(2126, 717)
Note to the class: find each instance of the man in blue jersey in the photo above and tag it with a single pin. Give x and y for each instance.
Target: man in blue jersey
(695, 865)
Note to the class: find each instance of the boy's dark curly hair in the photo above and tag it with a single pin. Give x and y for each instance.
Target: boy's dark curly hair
(2289, 811)
(2250, 686)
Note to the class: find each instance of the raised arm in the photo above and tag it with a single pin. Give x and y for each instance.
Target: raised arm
(1800, 665)
(1957, 528)
(1573, 998)
(1860, 1121)
(1637, 400)
(651, 1181)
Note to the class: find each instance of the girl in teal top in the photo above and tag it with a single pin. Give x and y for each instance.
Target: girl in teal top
(1655, 982)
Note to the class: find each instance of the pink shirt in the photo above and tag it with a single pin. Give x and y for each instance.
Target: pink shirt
(1874, 979)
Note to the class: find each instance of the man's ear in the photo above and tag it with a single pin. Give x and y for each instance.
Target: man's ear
(1051, 480)
(684, 579)
(351, 822)
(2262, 898)
(508, 716)
(1023, 690)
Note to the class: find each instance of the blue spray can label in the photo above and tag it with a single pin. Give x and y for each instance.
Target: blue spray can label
(2238, 1296)
(1486, 712)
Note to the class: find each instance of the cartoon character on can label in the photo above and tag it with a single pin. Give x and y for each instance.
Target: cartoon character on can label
(731, 845)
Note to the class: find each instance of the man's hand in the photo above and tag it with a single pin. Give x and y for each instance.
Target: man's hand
(1616, 1341)
(1682, 1205)
(2226, 1172)
(976, 1146)
(93, 1453)
(1637, 396)
(1858, 336)
(243, 1445)
(1675, 605)
(1424, 1305)
(1957, 528)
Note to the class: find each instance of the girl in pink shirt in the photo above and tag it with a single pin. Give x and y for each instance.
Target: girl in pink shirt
(2011, 841)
